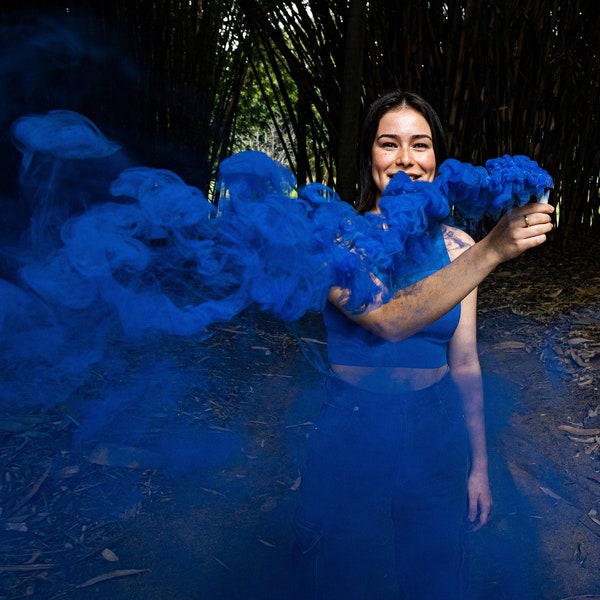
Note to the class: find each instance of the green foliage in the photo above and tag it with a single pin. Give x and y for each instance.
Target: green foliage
(259, 120)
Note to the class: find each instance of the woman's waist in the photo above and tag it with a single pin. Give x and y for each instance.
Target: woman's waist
(390, 380)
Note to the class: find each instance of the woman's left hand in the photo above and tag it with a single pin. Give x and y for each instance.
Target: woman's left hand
(480, 499)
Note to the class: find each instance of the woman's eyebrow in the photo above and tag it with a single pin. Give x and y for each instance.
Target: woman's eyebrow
(395, 136)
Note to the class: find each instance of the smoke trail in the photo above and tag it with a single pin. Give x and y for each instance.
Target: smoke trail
(163, 259)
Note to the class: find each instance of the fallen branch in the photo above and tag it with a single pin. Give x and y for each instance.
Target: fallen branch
(111, 575)
(579, 430)
(31, 567)
(34, 490)
(580, 520)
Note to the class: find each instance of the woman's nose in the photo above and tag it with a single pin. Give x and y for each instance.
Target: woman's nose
(404, 157)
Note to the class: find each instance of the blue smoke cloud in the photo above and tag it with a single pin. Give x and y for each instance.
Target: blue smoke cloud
(153, 254)
(504, 182)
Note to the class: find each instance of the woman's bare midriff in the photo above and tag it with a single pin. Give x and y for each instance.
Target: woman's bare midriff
(389, 380)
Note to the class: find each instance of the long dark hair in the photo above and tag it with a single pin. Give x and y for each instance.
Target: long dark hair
(367, 193)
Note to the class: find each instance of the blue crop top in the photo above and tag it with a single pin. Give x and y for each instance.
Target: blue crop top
(350, 344)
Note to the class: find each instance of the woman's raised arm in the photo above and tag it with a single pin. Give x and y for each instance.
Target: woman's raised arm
(420, 304)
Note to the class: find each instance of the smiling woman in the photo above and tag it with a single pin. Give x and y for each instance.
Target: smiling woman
(400, 445)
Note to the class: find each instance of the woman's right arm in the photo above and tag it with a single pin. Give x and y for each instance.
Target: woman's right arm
(420, 304)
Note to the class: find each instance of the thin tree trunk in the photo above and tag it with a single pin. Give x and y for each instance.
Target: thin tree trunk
(351, 100)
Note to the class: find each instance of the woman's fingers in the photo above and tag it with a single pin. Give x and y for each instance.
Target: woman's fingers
(533, 214)
(520, 229)
(531, 221)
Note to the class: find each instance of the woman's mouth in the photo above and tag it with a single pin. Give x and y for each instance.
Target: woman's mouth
(413, 176)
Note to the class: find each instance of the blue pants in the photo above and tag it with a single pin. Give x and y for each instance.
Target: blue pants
(384, 473)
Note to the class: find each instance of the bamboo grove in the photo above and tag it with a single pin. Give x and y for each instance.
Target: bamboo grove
(507, 77)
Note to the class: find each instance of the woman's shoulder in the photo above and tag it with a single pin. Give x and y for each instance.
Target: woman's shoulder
(457, 240)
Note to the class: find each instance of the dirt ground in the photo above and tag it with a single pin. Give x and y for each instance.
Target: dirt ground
(119, 521)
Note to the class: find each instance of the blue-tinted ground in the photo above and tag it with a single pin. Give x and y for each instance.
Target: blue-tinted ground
(214, 523)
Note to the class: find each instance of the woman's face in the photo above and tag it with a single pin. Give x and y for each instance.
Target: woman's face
(403, 142)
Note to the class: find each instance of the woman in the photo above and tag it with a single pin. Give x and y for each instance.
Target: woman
(400, 442)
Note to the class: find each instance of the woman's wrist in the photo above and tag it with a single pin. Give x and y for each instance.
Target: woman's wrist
(479, 465)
